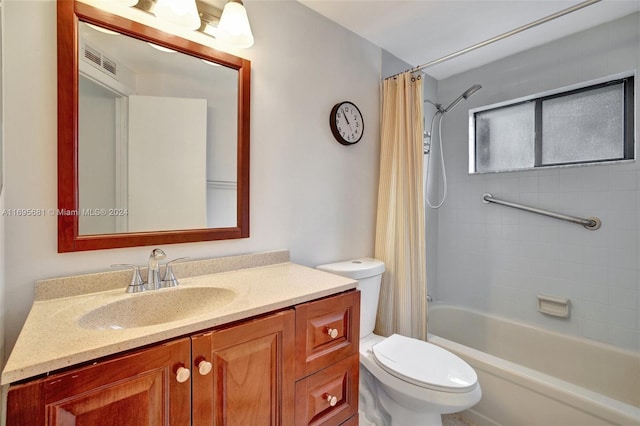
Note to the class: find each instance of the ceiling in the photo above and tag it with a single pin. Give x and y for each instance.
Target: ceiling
(419, 31)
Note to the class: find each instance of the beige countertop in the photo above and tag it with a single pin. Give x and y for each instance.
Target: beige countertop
(52, 337)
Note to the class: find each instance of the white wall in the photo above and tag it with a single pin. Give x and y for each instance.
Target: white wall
(2, 192)
(498, 259)
(309, 194)
(96, 156)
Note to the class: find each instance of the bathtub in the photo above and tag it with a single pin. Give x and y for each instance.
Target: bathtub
(534, 377)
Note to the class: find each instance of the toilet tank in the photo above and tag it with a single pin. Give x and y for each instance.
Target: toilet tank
(368, 273)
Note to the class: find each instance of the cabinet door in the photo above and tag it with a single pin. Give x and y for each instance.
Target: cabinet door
(136, 389)
(251, 379)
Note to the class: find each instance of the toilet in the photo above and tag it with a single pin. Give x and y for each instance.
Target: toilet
(403, 381)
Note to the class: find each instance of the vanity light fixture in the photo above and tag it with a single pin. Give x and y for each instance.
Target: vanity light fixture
(183, 13)
(229, 26)
(209, 17)
(234, 28)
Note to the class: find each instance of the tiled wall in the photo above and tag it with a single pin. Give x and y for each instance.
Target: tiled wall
(497, 259)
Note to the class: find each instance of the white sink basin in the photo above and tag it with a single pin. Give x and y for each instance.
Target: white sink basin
(157, 307)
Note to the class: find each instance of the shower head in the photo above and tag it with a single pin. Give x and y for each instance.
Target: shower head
(470, 91)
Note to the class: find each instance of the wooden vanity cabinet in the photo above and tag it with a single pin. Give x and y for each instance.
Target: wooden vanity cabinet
(294, 367)
(138, 388)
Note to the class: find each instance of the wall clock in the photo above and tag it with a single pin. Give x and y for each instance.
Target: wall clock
(346, 123)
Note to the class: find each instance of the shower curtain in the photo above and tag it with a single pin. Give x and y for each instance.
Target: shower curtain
(400, 233)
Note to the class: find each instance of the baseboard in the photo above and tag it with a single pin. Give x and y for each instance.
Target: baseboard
(478, 419)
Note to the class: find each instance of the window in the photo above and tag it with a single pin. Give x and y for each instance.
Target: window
(585, 125)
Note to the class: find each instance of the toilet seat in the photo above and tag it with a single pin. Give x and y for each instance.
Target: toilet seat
(424, 364)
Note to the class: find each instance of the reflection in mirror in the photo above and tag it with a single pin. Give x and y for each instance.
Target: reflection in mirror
(157, 137)
(153, 146)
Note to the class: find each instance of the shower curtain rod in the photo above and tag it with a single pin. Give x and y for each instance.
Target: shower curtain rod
(501, 36)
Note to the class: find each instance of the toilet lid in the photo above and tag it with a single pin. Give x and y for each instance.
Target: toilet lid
(424, 364)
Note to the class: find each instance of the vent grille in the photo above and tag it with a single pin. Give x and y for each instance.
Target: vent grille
(98, 60)
(92, 56)
(109, 66)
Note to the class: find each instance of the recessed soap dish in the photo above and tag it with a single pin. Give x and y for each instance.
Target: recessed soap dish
(554, 306)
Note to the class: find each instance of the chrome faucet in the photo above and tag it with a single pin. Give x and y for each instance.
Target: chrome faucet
(154, 282)
(153, 270)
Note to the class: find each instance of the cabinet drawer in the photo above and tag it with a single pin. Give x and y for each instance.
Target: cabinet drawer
(337, 385)
(327, 331)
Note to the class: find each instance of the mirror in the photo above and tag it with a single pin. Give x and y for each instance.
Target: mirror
(153, 135)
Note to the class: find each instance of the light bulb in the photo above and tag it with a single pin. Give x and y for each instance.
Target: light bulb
(183, 13)
(234, 28)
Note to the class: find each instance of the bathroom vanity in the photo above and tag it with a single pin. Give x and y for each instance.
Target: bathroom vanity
(283, 350)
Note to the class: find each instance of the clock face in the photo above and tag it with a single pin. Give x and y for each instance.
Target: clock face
(346, 122)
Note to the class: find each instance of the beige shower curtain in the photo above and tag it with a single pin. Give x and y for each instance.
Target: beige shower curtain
(400, 234)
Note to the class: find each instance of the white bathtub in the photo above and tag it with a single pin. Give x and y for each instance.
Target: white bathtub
(534, 377)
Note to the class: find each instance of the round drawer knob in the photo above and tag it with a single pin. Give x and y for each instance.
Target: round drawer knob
(182, 374)
(332, 400)
(204, 367)
(332, 332)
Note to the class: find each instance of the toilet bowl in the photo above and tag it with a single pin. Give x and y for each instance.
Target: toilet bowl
(403, 381)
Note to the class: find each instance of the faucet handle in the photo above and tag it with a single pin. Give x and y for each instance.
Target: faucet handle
(170, 279)
(137, 284)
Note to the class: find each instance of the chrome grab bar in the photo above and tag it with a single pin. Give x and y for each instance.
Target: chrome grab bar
(591, 223)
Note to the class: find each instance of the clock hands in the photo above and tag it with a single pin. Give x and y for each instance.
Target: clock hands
(346, 118)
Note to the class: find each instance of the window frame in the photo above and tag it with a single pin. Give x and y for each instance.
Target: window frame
(628, 82)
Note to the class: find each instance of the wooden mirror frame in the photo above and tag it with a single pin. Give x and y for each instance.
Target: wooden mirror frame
(69, 14)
